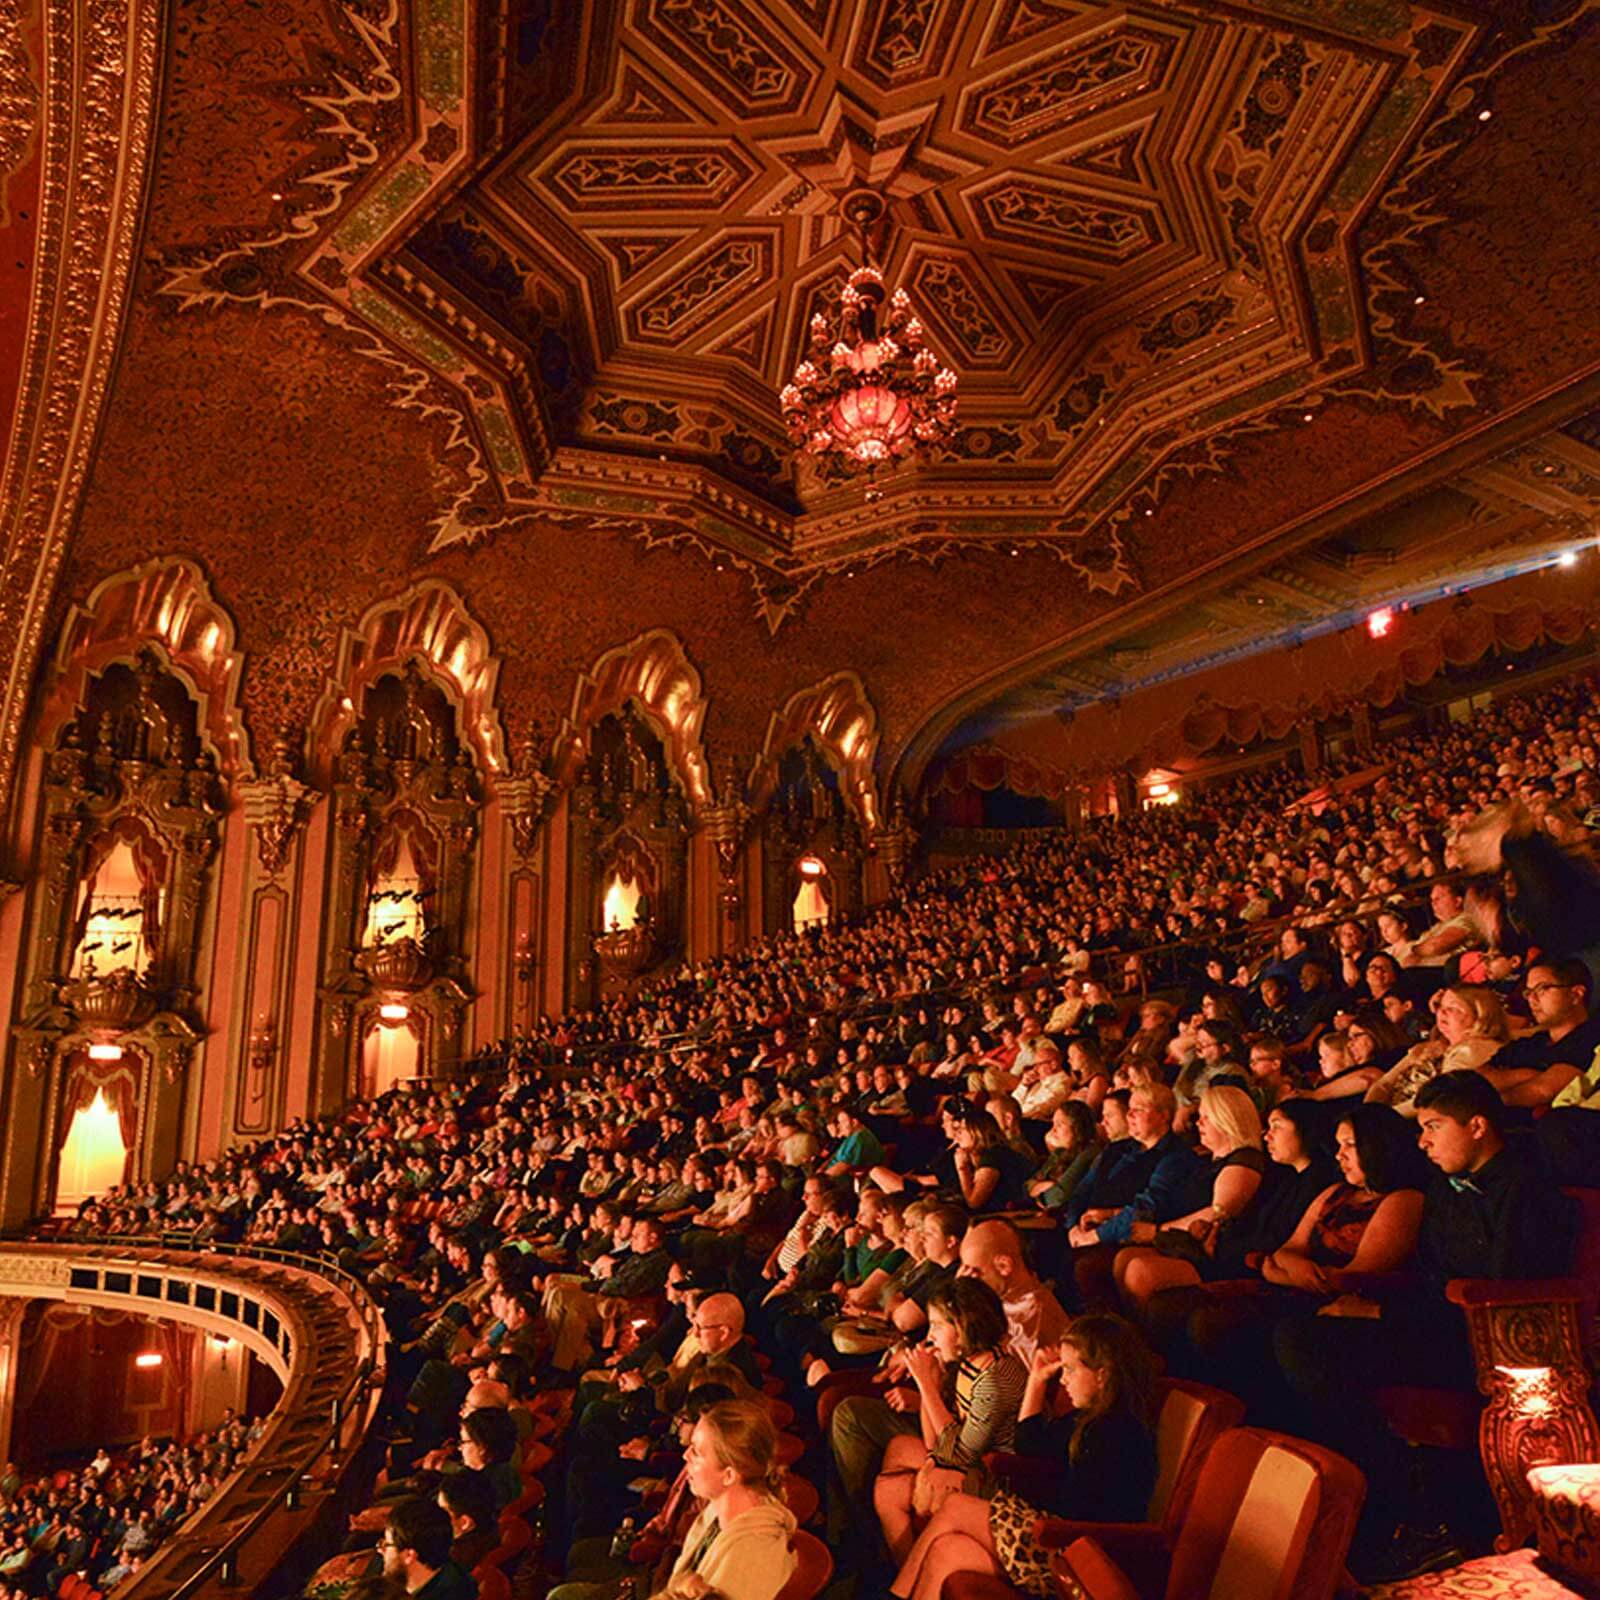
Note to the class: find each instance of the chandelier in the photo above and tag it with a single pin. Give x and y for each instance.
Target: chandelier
(873, 392)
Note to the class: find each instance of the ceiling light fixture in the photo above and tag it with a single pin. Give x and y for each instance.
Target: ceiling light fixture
(1380, 621)
(870, 391)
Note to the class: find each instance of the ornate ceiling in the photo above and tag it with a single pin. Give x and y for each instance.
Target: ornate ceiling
(498, 293)
(1132, 230)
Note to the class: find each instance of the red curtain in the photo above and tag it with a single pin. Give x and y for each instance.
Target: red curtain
(149, 861)
(403, 825)
(119, 1081)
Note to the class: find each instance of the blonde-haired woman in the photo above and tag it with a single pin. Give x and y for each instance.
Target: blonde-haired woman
(739, 1544)
(1469, 1025)
(1216, 1194)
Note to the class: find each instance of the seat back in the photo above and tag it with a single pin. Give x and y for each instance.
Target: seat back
(492, 1583)
(1586, 1268)
(813, 1568)
(1271, 1518)
(801, 1498)
(1191, 1419)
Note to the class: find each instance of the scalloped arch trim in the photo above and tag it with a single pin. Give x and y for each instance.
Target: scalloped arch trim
(838, 715)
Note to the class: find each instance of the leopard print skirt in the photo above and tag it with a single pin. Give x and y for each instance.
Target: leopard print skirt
(1026, 1562)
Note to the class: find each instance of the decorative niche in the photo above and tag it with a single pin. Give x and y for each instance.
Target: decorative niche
(813, 846)
(129, 831)
(407, 799)
(628, 839)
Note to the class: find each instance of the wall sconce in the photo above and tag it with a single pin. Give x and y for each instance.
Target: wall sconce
(147, 1359)
(393, 1013)
(105, 1052)
(811, 867)
(220, 1341)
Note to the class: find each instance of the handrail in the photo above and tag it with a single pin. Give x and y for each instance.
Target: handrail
(222, 1562)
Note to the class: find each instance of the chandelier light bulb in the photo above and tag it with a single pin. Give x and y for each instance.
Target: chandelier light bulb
(869, 392)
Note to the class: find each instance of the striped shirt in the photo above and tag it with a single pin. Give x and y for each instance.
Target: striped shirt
(987, 1401)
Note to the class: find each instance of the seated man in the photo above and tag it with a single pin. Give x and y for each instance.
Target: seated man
(1535, 1069)
(468, 1499)
(1490, 1213)
(572, 1305)
(1452, 932)
(416, 1553)
(1134, 1179)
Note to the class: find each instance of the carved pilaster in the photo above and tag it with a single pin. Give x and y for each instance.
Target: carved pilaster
(276, 809)
(524, 800)
(894, 843)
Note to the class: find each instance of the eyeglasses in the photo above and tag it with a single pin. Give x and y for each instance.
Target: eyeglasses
(1534, 990)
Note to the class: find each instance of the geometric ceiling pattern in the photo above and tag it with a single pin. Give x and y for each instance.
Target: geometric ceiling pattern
(593, 237)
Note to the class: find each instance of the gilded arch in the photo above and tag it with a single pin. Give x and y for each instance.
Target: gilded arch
(654, 671)
(842, 720)
(428, 624)
(166, 605)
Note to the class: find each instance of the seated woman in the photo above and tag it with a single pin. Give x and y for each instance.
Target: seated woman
(1469, 1025)
(969, 1387)
(738, 1546)
(1087, 1069)
(1365, 1223)
(992, 1174)
(1106, 1446)
(1072, 1144)
(1220, 1191)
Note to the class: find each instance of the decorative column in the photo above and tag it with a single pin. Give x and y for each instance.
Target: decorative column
(1361, 727)
(892, 845)
(1125, 790)
(12, 1310)
(725, 822)
(524, 802)
(275, 810)
(1310, 746)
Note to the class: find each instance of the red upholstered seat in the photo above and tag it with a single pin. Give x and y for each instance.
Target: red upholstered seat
(1191, 1419)
(813, 1568)
(492, 1583)
(801, 1498)
(515, 1537)
(1271, 1519)
(790, 1449)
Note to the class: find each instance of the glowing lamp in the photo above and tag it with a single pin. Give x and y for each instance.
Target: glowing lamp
(1533, 1392)
(105, 1052)
(810, 867)
(1567, 558)
(1380, 621)
(147, 1359)
(220, 1341)
(1159, 789)
(393, 1013)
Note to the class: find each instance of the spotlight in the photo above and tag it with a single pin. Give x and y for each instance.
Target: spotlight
(1380, 621)
(1485, 114)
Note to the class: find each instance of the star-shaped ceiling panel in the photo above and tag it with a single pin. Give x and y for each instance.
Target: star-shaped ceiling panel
(1133, 230)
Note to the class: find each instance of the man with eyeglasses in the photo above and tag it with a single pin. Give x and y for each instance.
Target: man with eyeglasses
(416, 1552)
(1536, 1070)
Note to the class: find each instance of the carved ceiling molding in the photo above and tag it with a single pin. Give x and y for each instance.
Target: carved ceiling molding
(429, 625)
(100, 71)
(165, 604)
(841, 720)
(655, 673)
(690, 255)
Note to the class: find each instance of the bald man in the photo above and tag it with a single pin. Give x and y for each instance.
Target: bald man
(993, 1252)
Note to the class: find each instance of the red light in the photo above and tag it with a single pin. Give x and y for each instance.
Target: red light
(1380, 622)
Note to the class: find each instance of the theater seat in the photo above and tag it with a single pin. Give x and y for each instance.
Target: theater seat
(1191, 1418)
(1271, 1519)
(813, 1568)
(515, 1537)
(1517, 1327)
(492, 1583)
(801, 1498)
(531, 1497)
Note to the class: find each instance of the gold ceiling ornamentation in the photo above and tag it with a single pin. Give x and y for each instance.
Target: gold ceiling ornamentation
(167, 604)
(1137, 230)
(428, 625)
(655, 673)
